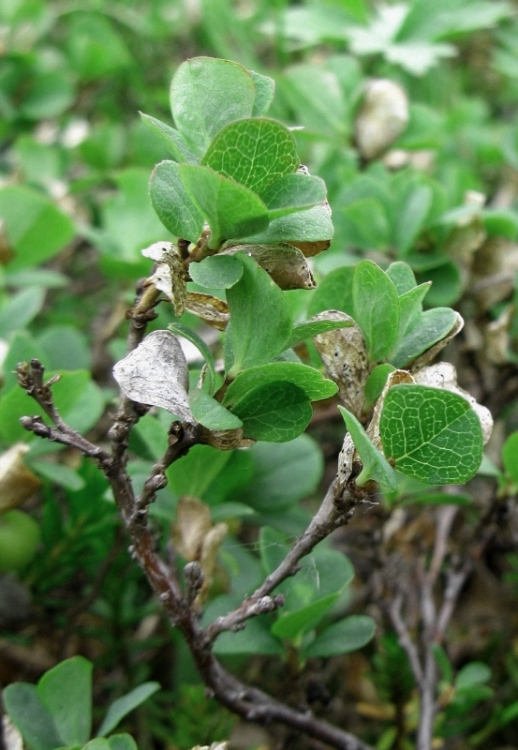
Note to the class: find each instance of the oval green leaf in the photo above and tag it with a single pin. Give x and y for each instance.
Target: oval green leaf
(311, 381)
(173, 204)
(217, 272)
(275, 412)
(432, 435)
(209, 412)
(376, 309)
(345, 636)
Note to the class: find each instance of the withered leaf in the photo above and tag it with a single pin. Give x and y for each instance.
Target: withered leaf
(345, 358)
(169, 275)
(156, 374)
(211, 310)
(17, 481)
(285, 264)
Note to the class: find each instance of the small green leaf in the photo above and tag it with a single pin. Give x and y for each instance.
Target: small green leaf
(174, 206)
(401, 276)
(375, 384)
(474, 673)
(31, 717)
(275, 412)
(293, 192)
(194, 473)
(261, 318)
(66, 690)
(312, 225)
(264, 92)
(431, 327)
(284, 474)
(174, 141)
(254, 153)
(232, 211)
(20, 310)
(59, 474)
(412, 215)
(36, 229)
(376, 309)
(217, 272)
(206, 95)
(411, 308)
(311, 381)
(375, 465)
(209, 412)
(432, 435)
(122, 706)
(97, 744)
(510, 457)
(294, 624)
(304, 331)
(335, 292)
(366, 224)
(343, 637)
(122, 742)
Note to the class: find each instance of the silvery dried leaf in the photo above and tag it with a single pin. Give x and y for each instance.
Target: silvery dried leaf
(17, 482)
(209, 554)
(345, 358)
(169, 275)
(383, 116)
(431, 353)
(497, 339)
(156, 374)
(211, 310)
(444, 375)
(345, 462)
(285, 263)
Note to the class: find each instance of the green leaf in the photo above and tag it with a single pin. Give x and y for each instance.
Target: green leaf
(367, 225)
(173, 204)
(206, 95)
(97, 744)
(312, 225)
(122, 706)
(284, 474)
(275, 412)
(412, 215)
(376, 309)
(375, 384)
(293, 192)
(411, 308)
(431, 327)
(335, 292)
(432, 435)
(95, 49)
(401, 276)
(311, 381)
(375, 465)
(32, 718)
(187, 333)
(20, 310)
(36, 229)
(66, 690)
(261, 318)
(59, 474)
(194, 473)
(209, 412)
(122, 742)
(128, 219)
(173, 140)
(232, 211)
(253, 152)
(264, 93)
(474, 673)
(217, 272)
(318, 99)
(294, 624)
(254, 639)
(509, 456)
(343, 637)
(304, 331)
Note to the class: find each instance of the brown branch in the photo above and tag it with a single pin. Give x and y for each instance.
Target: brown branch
(334, 511)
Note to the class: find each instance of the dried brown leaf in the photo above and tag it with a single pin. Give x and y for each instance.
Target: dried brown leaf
(285, 263)
(211, 310)
(17, 482)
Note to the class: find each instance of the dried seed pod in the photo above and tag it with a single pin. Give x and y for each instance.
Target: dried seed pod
(382, 118)
(17, 482)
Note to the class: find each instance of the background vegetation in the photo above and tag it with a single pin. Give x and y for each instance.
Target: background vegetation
(74, 169)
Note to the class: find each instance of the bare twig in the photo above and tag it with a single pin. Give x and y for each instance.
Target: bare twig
(334, 511)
